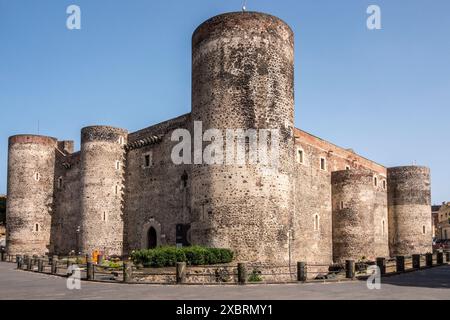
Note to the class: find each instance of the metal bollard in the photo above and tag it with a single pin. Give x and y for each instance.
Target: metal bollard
(19, 261)
(128, 271)
(242, 273)
(40, 265)
(29, 263)
(440, 258)
(89, 271)
(400, 262)
(35, 257)
(302, 271)
(350, 269)
(54, 266)
(181, 272)
(429, 259)
(25, 262)
(416, 261)
(381, 263)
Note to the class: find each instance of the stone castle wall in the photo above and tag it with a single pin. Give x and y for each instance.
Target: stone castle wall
(103, 166)
(243, 78)
(66, 220)
(317, 201)
(31, 171)
(122, 192)
(359, 216)
(409, 210)
(157, 196)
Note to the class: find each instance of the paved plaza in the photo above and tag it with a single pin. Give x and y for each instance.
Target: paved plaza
(427, 284)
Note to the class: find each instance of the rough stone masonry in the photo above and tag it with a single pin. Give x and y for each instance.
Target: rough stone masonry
(122, 191)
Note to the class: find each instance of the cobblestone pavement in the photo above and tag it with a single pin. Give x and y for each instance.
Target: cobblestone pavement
(427, 284)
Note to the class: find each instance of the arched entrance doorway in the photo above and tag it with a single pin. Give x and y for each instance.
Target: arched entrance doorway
(152, 238)
(151, 235)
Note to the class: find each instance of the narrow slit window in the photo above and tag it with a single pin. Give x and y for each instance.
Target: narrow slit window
(147, 160)
(424, 230)
(323, 164)
(342, 205)
(300, 156)
(117, 190)
(316, 222)
(384, 184)
(375, 181)
(37, 176)
(383, 228)
(60, 182)
(104, 216)
(36, 227)
(117, 165)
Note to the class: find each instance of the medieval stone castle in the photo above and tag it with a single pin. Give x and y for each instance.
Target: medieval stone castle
(122, 191)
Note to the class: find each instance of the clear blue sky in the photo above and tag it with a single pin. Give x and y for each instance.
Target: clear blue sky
(386, 93)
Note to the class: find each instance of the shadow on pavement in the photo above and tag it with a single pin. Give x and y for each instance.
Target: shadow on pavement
(438, 277)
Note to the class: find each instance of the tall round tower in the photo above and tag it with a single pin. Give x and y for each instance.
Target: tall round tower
(102, 177)
(243, 78)
(359, 216)
(31, 173)
(409, 200)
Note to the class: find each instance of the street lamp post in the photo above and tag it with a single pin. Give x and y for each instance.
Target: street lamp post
(78, 239)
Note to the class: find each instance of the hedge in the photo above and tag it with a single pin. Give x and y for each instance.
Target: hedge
(169, 256)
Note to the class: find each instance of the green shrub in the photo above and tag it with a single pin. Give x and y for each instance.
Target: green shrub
(112, 264)
(255, 276)
(169, 256)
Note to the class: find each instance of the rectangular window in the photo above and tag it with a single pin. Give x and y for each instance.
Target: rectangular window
(323, 164)
(375, 181)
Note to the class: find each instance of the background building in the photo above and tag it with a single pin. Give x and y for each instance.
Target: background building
(2, 220)
(443, 229)
(435, 219)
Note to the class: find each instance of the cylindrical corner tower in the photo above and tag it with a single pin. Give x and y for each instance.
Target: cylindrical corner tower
(31, 171)
(102, 177)
(357, 214)
(243, 78)
(409, 200)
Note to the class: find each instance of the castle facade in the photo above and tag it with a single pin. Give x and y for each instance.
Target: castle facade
(122, 191)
